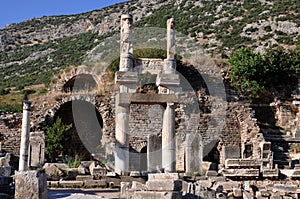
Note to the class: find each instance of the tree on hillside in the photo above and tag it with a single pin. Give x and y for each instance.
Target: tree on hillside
(253, 74)
(55, 136)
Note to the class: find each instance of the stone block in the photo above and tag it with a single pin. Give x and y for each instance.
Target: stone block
(138, 186)
(210, 173)
(284, 188)
(30, 184)
(135, 173)
(125, 186)
(164, 185)
(54, 170)
(204, 183)
(163, 176)
(95, 183)
(84, 177)
(81, 171)
(70, 184)
(247, 195)
(155, 195)
(98, 171)
(72, 173)
(237, 192)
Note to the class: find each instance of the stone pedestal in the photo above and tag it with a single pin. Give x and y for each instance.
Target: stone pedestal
(168, 139)
(31, 184)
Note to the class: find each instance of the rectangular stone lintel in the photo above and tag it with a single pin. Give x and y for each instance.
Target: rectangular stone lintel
(124, 77)
(241, 172)
(155, 194)
(270, 173)
(164, 185)
(168, 80)
(123, 99)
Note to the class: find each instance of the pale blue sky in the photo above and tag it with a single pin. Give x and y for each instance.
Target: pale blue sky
(15, 11)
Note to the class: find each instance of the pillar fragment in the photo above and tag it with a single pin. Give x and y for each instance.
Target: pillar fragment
(170, 62)
(126, 43)
(23, 163)
(122, 143)
(168, 139)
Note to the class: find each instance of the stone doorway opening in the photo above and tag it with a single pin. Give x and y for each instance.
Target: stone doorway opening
(86, 132)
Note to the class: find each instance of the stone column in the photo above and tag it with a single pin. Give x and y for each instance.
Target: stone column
(126, 49)
(168, 139)
(23, 162)
(122, 143)
(170, 62)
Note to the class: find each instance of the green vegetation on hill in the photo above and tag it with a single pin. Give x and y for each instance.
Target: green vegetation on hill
(254, 74)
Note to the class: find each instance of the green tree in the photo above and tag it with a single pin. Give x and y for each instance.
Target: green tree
(55, 136)
(246, 72)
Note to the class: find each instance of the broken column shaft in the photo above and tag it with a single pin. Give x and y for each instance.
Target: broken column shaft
(126, 49)
(170, 62)
(23, 163)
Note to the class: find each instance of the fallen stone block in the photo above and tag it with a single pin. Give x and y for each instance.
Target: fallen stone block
(95, 183)
(237, 192)
(284, 188)
(138, 186)
(155, 194)
(70, 184)
(163, 176)
(166, 185)
(210, 173)
(84, 177)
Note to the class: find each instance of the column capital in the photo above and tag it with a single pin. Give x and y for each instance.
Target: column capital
(26, 105)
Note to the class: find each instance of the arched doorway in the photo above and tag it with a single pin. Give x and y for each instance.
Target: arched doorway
(80, 82)
(85, 135)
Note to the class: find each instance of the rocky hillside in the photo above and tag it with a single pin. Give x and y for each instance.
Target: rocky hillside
(33, 51)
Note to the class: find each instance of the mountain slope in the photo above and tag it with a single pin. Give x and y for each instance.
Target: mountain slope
(33, 51)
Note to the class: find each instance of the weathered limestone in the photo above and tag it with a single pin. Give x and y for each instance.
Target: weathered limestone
(30, 184)
(170, 62)
(168, 139)
(23, 163)
(193, 151)
(126, 49)
(36, 149)
(154, 154)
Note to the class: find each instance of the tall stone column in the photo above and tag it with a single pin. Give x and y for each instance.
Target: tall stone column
(170, 62)
(126, 43)
(122, 143)
(23, 163)
(168, 139)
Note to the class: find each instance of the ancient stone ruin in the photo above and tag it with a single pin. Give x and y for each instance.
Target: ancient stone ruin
(160, 139)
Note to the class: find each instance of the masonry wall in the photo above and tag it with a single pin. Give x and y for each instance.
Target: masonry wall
(145, 120)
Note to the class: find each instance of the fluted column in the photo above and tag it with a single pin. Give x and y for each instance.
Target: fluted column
(168, 139)
(23, 162)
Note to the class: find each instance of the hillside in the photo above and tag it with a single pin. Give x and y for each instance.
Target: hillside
(33, 51)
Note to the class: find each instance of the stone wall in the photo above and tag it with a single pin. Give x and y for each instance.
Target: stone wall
(145, 120)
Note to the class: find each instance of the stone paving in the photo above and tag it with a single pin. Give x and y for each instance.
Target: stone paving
(83, 193)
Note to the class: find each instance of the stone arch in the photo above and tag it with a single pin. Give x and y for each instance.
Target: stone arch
(82, 78)
(87, 124)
